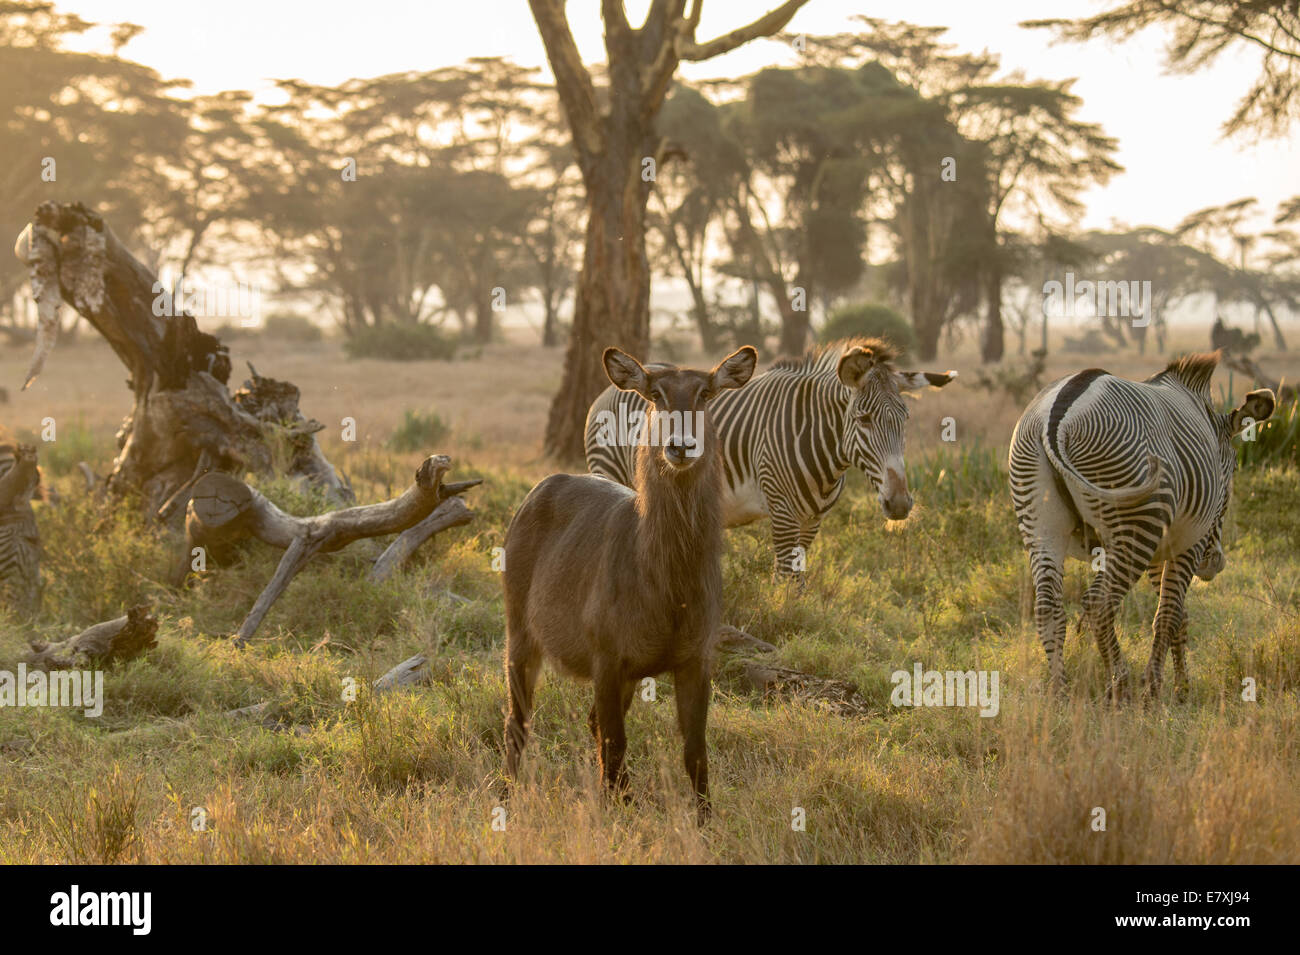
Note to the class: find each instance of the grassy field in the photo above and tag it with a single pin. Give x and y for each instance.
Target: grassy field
(413, 776)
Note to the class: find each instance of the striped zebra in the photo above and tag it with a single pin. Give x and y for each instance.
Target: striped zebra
(19, 539)
(788, 437)
(1136, 477)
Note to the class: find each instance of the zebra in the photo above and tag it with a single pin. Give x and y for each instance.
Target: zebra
(789, 437)
(1135, 476)
(19, 538)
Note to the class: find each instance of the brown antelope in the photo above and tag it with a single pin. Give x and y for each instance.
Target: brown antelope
(615, 584)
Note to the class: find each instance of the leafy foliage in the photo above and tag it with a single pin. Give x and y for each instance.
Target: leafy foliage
(871, 321)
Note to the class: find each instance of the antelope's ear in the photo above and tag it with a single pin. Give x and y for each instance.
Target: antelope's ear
(626, 372)
(733, 371)
(854, 365)
(914, 380)
(1257, 406)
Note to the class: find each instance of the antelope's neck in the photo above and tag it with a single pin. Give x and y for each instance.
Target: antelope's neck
(679, 515)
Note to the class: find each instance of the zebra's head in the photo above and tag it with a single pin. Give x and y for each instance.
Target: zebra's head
(875, 418)
(1256, 407)
(14, 455)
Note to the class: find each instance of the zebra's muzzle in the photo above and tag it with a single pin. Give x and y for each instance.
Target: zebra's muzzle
(895, 499)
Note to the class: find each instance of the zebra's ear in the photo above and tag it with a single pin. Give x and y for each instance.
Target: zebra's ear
(733, 371)
(1257, 406)
(626, 372)
(854, 365)
(912, 380)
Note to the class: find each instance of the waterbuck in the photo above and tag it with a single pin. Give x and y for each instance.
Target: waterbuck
(615, 584)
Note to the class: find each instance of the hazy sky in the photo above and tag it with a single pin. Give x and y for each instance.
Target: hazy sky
(1167, 126)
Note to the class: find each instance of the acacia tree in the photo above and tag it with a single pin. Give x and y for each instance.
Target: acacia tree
(1201, 31)
(616, 142)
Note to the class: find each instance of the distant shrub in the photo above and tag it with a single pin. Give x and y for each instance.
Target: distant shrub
(290, 327)
(394, 342)
(418, 431)
(870, 321)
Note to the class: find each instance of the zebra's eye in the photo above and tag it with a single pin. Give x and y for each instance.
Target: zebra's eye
(864, 419)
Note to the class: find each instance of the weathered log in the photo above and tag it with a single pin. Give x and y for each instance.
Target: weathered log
(223, 510)
(452, 512)
(412, 671)
(184, 415)
(731, 640)
(111, 641)
(837, 696)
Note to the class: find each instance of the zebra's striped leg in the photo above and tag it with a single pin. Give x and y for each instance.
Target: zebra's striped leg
(1181, 685)
(1170, 618)
(1124, 565)
(1046, 563)
(786, 535)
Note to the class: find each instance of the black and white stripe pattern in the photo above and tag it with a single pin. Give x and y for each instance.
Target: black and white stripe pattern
(789, 436)
(1141, 470)
(19, 543)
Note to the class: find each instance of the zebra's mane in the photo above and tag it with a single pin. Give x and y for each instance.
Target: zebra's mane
(1193, 371)
(825, 358)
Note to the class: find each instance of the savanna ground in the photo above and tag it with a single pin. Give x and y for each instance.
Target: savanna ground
(413, 776)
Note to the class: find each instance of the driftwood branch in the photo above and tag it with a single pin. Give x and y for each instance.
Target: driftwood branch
(412, 671)
(113, 640)
(223, 510)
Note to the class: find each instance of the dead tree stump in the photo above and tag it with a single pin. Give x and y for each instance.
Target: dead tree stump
(185, 422)
(104, 643)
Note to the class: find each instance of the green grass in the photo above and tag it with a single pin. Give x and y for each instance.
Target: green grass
(414, 776)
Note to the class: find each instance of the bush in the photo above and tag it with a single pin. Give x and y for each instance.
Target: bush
(400, 343)
(290, 327)
(870, 321)
(418, 431)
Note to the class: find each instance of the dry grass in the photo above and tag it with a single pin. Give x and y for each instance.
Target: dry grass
(414, 776)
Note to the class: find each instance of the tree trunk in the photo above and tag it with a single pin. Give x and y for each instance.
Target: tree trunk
(612, 306)
(550, 324)
(994, 343)
(185, 421)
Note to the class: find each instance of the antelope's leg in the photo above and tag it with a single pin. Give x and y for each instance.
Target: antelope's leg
(611, 739)
(523, 665)
(593, 722)
(692, 685)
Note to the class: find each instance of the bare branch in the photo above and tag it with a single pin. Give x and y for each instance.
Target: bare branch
(769, 23)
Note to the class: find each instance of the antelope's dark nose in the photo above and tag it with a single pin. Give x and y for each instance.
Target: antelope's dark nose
(675, 452)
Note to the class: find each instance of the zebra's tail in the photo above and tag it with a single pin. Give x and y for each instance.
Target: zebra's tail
(1119, 496)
